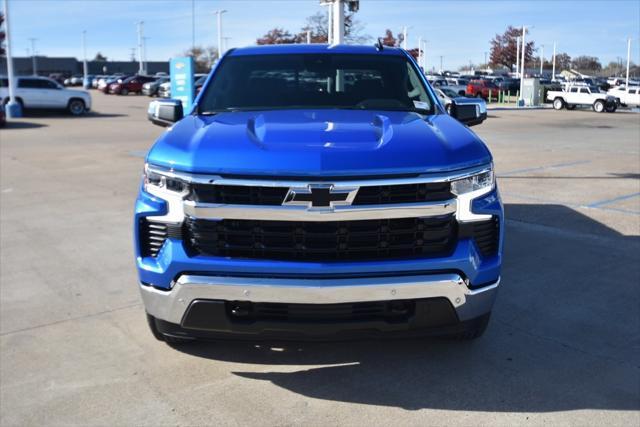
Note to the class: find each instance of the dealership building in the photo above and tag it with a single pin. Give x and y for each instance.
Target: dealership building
(68, 66)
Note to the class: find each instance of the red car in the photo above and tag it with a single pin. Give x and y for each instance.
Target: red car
(481, 88)
(131, 85)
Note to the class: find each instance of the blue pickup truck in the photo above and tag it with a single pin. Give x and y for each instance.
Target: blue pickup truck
(318, 191)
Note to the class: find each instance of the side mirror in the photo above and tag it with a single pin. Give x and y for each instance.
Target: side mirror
(165, 112)
(470, 111)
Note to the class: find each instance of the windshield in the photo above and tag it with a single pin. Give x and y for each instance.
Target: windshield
(308, 81)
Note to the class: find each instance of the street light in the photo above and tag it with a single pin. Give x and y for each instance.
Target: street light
(524, 50)
(84, 59)
(33, 56)
(219, 12)
(140, 36)
(13, 108)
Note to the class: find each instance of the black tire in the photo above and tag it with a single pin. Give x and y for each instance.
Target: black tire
(473, 329)
(76, 107)
(18, 100)
(571, 106)
(151, 321)
(124, 91)
(558, 104)
(611, 108)
(599, 106)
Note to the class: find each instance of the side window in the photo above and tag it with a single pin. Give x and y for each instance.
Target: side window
(4, 82)
(29, 84)
(47, 84)
(574, 90)
(632, 91)
(584, 90)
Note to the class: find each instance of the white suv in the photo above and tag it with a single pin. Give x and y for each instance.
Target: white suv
(42, 92)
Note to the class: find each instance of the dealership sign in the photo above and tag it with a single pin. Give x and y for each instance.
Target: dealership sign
(182, 89)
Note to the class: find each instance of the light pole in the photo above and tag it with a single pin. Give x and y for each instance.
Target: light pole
(626, 84)
(144, 53)
(541, 58)
(193, 25)
(517, 57)
(338, 22)
(84, 59)
(140, 64)
(33, 56)
(553, 70)
(14, 109)
(308, 36)
(225, 42)
(424, 55)
(485, 61)
(419, 51)
(524, 49)
(441, 63)
(404, 38)
(219, 12)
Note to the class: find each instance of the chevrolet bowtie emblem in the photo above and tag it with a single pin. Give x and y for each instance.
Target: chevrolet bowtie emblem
(320, 196)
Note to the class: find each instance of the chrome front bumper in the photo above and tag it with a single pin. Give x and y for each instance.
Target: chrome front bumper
(171, 305)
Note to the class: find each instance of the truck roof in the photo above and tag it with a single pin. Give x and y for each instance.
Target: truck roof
(283, 49)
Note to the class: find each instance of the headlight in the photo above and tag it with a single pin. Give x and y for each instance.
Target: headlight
(156, 180)
(483, 180)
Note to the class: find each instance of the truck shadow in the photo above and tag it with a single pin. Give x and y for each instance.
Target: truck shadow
(564, 335)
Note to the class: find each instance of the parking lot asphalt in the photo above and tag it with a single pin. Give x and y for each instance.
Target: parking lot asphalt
(562, 348)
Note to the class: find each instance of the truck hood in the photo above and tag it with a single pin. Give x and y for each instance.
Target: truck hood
(318, 143)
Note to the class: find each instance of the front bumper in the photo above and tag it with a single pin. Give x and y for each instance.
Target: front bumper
(197, 303)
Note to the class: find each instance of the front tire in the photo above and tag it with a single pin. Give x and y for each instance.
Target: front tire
(124, 92)
(76, 107)
(558, 104)
(598, 106)
(611, 108)
(571, 106)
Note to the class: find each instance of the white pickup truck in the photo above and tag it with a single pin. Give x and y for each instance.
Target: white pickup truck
(628, 97)
(574, 95)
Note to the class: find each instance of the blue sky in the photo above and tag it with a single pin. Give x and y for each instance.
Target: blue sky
(460, 31)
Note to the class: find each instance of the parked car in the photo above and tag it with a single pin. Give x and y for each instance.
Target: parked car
(199, 82)
(151, 88)
(106, 89)
(509, 85)
(481, 88)
(573, 96)
(87, 82)
(129, 85)
(273, 209)
(3, 117)
(45, 93)
(58, 77)
(164, 90)
(447, 96)
(626, 96)
(75, 80)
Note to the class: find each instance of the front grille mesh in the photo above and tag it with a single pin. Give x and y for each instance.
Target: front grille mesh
(486, 235)
(343, 312)
(407, 193)
(323, 241)
(237, 194)
(367, 195)
(153, 235)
